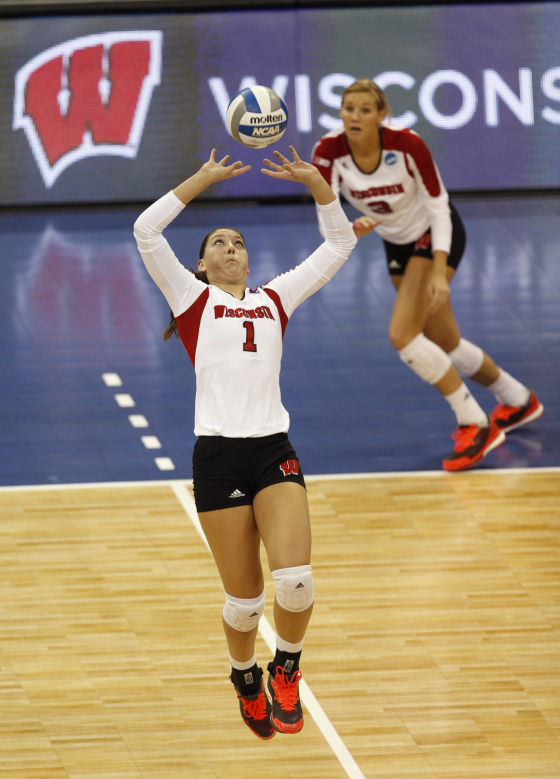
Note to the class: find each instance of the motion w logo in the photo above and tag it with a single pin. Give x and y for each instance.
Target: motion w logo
(88, 96)
(289, 467)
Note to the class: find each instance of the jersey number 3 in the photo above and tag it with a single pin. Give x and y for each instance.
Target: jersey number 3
(249, 345)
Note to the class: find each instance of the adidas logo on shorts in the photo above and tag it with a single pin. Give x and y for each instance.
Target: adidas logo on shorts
(237, 494)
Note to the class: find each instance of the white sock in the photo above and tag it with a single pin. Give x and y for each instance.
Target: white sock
(508, 390)
(466, 408)
(243, 665)
(285, 646)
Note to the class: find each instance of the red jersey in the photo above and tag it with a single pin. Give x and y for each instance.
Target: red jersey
(405, 193)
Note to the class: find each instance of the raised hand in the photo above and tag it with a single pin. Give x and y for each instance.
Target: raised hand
(303, 172)
(295, 169)
(218, 170)
(209, 173)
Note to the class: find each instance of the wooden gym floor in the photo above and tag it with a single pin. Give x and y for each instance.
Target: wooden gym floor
(433, 651)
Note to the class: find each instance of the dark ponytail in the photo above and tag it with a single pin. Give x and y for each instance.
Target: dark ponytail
(171, 328)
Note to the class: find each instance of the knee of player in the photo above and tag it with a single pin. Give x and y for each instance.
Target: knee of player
(399, 335)
(243, 614)
(426, 359)
(467, 358)
(294, 587)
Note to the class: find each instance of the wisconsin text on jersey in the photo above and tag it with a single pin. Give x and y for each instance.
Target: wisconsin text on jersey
(392, 189)
(261, 312)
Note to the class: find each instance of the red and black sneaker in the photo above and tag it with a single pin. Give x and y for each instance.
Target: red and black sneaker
(283, 692)
(256, 711)
(507, 418)
(472, 444)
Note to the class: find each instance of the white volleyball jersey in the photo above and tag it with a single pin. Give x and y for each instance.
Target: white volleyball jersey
(405, 192)
(236, 345)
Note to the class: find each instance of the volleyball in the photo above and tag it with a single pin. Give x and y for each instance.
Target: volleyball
(257, 116)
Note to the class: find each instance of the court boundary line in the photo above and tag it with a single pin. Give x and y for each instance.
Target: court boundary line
(310, 479)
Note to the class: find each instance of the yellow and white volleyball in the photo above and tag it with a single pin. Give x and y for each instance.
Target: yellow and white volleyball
(257, 116)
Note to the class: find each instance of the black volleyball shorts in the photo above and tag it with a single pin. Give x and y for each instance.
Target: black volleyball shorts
(229, 472)
(398, 254)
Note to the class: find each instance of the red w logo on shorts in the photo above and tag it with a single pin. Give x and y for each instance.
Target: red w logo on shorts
(290, 467)
(424, 242)
(87, 96)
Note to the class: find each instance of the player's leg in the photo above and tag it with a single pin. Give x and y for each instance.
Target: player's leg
(428, 358)
(282, 516)
(234, 541)
(516, 404)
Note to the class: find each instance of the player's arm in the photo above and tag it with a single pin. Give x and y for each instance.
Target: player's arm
(176, 282)
(300, 282)
(436, 200)
(170, 275)
(320, 157)
(432, 190)
(438, 286)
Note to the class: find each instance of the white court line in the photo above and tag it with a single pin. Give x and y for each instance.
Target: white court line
(267, 632)
(310, 479)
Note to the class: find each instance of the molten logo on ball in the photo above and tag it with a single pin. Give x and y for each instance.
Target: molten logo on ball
(267, 119)
(257, 116)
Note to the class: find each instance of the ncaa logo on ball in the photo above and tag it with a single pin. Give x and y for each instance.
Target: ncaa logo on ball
(257, 116)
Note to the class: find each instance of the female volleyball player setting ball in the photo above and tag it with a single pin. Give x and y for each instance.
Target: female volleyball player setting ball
(248, 483)
(389, 176)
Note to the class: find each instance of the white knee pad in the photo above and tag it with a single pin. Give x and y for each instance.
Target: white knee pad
(294, 587)
(243, 614)
(467, 358)
(426, 359)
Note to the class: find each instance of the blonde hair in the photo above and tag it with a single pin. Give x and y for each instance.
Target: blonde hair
(367, 85)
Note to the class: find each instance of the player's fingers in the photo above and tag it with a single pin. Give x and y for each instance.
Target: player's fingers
(280, 156)
(434, 304)
(238, 171)
(295, 155)
(279, 173)
(439, 296)
(272, 164)
(287, 169)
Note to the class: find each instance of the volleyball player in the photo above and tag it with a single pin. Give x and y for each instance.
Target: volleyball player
(248, 482)
(389, 175)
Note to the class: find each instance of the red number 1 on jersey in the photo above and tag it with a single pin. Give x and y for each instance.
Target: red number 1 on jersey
(249, 345)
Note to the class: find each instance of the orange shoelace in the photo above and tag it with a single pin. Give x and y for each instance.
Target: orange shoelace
(464, 437)
(254, 709)
(286, 689)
